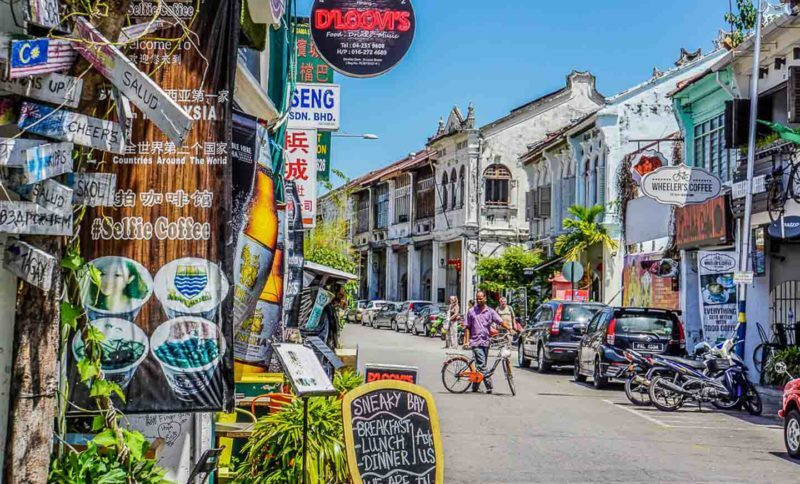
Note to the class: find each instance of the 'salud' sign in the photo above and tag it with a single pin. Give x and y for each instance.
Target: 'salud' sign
(681, 185)
(362, 38)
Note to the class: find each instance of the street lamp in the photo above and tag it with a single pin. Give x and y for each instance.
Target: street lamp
(349, 135)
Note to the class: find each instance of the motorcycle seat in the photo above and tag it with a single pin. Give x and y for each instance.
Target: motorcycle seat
(698, 365)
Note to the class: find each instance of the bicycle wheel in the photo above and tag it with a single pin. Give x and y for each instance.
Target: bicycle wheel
(794, 183)
(509, 376)
(637, 391)
(662, 397)
(455, 374)
(776, 200)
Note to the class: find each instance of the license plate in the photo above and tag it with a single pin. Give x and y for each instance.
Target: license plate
(648, 346)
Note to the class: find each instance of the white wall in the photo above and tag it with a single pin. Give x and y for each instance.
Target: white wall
(8, 295)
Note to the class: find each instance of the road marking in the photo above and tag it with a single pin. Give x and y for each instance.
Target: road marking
(636, 412)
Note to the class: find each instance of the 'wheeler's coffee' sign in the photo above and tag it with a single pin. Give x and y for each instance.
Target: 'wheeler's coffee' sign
(681, 185)
(391, 432)
(362, 38)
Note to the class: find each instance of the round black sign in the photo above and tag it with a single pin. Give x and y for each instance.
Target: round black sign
(362, 38)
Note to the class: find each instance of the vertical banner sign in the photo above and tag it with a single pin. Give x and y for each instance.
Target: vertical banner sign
(295, 259)
(650, 281)
(717, 294)
(362, 38)
(243, 157)
(324, 155)
(391, 434)
(165, 249)
(300, 154)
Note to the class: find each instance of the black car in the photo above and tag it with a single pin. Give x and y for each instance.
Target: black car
(649, 331)
(553, 333)
(385, 316)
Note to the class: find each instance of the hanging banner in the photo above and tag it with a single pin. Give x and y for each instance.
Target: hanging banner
(295, 258)
(134, 84)
(30, 264)
(53, 88)
(718, 297)
(165, 249)
(391, 433)
(363, 38)
(30, 57)
(650, 281)
(69, 126)
(243, 156)
(299, 154)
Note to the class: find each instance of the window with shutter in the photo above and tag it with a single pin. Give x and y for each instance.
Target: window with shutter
(535, 202)
(544, 201)
(529, 205)
(737, 119)
(793, 94)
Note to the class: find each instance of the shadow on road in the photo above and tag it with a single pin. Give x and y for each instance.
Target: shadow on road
(785, 456)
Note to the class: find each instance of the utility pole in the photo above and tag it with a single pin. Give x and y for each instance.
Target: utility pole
(35, 380)
(745, 232)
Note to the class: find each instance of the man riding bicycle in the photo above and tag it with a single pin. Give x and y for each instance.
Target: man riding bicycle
(478, 330)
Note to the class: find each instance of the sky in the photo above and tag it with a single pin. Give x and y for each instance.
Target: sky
(503, 53)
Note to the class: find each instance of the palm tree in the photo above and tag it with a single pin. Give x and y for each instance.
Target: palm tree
(585, 231)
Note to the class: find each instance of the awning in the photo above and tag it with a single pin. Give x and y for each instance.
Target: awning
(251, 97)
(531, 271)
(329, 271)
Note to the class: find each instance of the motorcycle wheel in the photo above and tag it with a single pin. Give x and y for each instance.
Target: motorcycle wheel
(727, 403)
(752, 401)
(637, 393)
(662, 397)
(443, 335)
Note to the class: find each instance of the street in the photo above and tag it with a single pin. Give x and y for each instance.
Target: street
(555, 430)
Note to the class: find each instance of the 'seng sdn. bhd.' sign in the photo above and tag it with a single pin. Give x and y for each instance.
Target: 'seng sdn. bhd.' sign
(681, 185)
(362, 38)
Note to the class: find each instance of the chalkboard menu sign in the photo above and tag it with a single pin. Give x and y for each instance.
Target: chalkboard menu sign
(391, 432)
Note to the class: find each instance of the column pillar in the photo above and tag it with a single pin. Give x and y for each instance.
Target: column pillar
(372, 286)
(391, 274)
(468, 272)
(414, 266)
(436, 270)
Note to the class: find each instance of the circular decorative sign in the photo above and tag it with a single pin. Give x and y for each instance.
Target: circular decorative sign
(681, 185)
(362, 38)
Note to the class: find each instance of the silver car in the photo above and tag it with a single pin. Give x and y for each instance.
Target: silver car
(369, 311)
(408, 312)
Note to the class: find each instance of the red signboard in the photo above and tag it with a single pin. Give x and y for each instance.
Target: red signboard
(702, 225)
(407, 374)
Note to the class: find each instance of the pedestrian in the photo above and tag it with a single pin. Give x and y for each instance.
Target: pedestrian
(506, 313)
(453, 317)
(480, 320)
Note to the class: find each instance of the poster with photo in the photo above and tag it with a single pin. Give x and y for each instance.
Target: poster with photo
(164, 250)
(650, 281)
(718, 296)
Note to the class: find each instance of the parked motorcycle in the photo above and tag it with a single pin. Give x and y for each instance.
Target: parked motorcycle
(438, 328)
(720, 380)
(641, 370)
(790, 412)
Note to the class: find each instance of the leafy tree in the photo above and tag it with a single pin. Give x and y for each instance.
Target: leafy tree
(742, 22)
(585, 231)
(507, 271)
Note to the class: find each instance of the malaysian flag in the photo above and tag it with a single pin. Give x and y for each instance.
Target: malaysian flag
(30, 57)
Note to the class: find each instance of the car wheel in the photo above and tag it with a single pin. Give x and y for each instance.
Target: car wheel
(522, 360)
(791, 433)
(598, 380)
(541, 359)
(576, 372)
(394, 325)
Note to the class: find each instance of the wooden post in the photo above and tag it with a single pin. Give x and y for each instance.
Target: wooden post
(34, 397)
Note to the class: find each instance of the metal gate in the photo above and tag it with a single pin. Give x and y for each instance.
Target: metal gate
(784, 307)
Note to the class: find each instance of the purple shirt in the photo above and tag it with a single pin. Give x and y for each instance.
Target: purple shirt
(478, 323)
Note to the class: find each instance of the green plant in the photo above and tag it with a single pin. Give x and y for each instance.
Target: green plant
(102, 466)
(347, 379)
(507, 271)
(742, 22)
(790, 357)
(273, 454)
(585, 231)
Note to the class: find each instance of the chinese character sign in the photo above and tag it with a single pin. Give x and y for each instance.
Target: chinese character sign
(300, 153)
(310, 65)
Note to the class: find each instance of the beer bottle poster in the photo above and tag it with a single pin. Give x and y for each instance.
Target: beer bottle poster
(165, 249)
(391, 434)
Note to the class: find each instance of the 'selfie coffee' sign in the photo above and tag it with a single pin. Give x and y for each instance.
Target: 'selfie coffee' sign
(391, 432)
(362, 38)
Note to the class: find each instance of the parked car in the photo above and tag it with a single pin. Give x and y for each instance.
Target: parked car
(790, 412)
(613, 330)
(422, 322)
(407, 312)
(385, 316)
(353, 313)
(369, 311)
(553, 333)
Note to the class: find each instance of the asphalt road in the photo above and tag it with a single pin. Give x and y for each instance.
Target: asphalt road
(556, 430)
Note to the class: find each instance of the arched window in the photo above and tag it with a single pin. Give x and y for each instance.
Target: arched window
(461, 185)
(453, 190)
(497, 178)
(444, 192)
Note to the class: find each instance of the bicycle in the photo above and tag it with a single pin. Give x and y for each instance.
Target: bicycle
(778, 195)
(459, 372)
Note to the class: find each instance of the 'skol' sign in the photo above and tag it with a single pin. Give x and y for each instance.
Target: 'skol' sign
(315, 106)
(681, 185)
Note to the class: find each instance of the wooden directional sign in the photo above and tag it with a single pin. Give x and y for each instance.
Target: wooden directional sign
(69, 126)
(47, 161)
(391, 433)
(134, 84)
(53, 88)
(30, 218)
(45, 13)
(93, 189)
(30, 264)
(51, 195)
(12, 150)
(29, 57)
